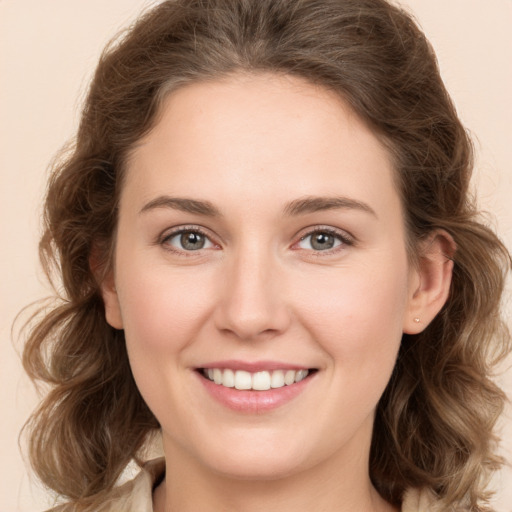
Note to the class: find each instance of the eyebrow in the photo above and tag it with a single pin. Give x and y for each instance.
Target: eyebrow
(311, 204)
(183, 204)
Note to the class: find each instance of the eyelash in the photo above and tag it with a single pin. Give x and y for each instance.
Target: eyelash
(164, 240)
(345, 239)
(342, 236)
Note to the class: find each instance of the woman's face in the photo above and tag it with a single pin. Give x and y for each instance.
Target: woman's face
(261, 237)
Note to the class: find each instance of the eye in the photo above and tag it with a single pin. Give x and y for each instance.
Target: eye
(323, 240)
(187, 240)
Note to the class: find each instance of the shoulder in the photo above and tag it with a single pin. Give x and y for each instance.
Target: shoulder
(136, 494)
(424, 500)
(417, 500)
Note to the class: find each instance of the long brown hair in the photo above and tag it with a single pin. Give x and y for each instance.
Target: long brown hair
(434, 423)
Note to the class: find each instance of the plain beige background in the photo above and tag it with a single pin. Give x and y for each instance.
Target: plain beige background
(48, 49)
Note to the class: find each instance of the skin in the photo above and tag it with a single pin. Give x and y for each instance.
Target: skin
(250, 146)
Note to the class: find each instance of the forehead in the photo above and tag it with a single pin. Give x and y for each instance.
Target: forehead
(278, 135)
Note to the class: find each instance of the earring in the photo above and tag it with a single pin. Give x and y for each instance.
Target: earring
(417, 320)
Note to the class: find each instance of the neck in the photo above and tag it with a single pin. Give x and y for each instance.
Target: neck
(189, 487)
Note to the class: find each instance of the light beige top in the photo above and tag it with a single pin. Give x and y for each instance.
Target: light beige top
(137, 494)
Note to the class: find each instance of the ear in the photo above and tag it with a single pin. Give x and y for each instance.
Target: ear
(106, 282)
(111, 301)
(430, 281)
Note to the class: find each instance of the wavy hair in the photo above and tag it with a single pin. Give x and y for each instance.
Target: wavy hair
(434, 424)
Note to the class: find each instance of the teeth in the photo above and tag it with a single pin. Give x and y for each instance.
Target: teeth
(277, 380)
(228, 378)
(301, 375)
(289, 377)
(259, 381)
(243, 380)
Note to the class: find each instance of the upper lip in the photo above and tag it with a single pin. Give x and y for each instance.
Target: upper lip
(254, 366)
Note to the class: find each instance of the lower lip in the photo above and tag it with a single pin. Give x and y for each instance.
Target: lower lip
(254, 401)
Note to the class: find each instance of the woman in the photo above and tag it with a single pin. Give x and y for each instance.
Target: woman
(270, 256)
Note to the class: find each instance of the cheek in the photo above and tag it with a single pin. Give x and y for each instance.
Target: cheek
(357, 318)
(162, 310)
(162, 315)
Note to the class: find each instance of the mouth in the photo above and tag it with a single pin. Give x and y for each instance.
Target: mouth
(255, 387)
(243, 380)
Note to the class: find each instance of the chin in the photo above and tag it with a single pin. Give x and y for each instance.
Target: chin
(261, 468)
(256, 461)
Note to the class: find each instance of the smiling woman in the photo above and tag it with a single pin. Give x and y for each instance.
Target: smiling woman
(216, 307)
(269, 256)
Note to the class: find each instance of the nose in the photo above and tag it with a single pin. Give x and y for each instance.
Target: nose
(252, 302)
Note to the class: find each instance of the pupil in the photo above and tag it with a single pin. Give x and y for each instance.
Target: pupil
(322, 241)
(192, 241)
